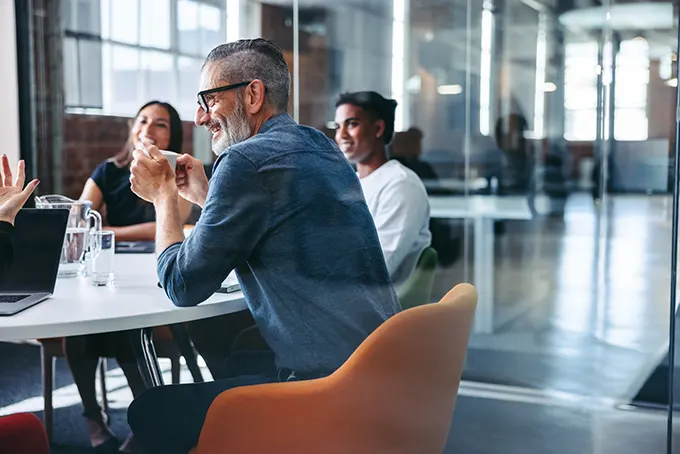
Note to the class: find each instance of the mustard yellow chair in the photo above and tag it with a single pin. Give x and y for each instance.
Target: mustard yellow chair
(395, 394)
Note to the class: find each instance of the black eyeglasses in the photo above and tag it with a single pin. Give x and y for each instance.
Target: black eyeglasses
(206, 98)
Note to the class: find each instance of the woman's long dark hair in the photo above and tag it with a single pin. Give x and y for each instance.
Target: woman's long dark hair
(124, 157)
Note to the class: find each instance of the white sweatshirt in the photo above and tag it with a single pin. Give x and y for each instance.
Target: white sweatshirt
(398, 203)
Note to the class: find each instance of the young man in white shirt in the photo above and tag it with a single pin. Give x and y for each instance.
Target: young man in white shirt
(395, 195)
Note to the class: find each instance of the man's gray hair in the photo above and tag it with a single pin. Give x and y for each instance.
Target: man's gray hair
(248, 59)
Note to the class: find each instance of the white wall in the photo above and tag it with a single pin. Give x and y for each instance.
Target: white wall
(9, 112)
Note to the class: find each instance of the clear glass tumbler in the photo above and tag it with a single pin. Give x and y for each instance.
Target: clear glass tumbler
(103, 249)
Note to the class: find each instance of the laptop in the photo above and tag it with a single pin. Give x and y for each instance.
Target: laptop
(32, 275)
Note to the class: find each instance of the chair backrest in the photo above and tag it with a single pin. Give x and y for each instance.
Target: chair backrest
(395, 394)
(417, 290)
(401, 383)
(23, 433)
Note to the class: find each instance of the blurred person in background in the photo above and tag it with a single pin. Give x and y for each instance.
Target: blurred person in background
(517, 172)
(406, 147)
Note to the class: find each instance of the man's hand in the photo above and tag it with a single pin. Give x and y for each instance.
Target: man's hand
(192, 182)
(151, 176)
(13, 195)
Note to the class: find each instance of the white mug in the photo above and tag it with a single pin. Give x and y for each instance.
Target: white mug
(171, 156)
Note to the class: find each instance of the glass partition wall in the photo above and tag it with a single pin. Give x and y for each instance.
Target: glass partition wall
(554, 120)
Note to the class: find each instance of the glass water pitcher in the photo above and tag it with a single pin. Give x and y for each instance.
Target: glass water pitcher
(82, 220)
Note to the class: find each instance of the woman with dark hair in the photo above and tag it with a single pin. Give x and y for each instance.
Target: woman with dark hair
(132, 219)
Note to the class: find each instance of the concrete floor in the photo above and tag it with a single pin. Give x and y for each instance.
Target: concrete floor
(582, 302)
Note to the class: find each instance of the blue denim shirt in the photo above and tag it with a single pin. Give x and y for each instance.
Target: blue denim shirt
(286, 210)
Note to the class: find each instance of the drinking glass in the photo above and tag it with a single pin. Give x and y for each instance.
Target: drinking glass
(103, 249)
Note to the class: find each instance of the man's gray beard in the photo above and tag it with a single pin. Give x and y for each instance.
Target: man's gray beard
(235, 130)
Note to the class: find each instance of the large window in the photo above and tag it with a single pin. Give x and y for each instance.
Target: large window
(630, 90)
(630, 94)
(119, 54)
(580, 91)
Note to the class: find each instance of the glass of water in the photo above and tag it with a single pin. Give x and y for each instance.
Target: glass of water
(102, 250)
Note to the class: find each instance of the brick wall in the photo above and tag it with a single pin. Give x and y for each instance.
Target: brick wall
(91, 139)
(660, 105)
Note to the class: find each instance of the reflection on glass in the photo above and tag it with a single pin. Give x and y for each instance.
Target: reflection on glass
(549, 101)
(398, 60)
(485, 70)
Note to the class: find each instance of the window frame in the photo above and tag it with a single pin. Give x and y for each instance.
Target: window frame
(579, 64)
(174, 51)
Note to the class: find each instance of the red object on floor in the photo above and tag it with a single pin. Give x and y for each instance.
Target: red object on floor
(23, 433)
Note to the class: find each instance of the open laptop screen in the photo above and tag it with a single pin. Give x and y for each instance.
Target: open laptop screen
(39, 239)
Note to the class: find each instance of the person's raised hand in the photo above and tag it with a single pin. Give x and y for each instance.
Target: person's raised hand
(13, 195)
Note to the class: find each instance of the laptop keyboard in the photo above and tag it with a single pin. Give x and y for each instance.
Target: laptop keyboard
(12, 298)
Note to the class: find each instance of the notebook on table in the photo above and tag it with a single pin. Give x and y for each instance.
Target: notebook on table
(135, 247)
(230, 284)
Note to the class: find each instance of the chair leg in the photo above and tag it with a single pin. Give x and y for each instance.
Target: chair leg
(102, 382)
(175, 369)
(181, 338)
(48, 385)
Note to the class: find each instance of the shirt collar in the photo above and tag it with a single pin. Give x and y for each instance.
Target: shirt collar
(282, 119)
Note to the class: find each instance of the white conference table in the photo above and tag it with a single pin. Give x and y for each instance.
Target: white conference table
(483, 211)
(456, 184)
(134, 302)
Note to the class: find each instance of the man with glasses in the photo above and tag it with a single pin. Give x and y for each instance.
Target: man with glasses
(283, 208)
